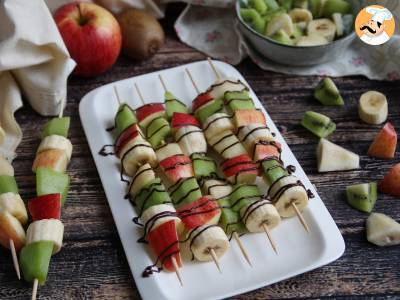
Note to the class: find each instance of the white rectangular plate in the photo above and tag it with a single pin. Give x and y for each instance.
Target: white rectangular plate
(299, 251)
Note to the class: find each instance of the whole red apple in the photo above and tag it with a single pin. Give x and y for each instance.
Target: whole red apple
(92, 36)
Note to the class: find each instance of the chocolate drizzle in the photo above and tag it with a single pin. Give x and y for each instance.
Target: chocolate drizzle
(291, 169)
(188, 133)
(103, 150)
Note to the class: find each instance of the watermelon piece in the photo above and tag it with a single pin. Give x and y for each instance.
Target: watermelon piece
(177, 167)
(200, 100)
(200, 212)
(125, 137)
(181, 119)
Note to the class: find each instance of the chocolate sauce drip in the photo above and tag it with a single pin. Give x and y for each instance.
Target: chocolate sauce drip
(136, 221)
(273, 184)
(236, 99)
(261, 127)
(124, 156)
(110, 128)
(137, 175)
(291, 169)
(273, 134)
(227, 80)
(215, 120)
(245, 198)
(177, 164)
(188, 133)
(252, 208)
(221, 139)
(186, 195)
(149, 270)
(310, 194)
(103, 150)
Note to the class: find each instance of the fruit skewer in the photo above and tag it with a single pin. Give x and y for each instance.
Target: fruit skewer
(199, 214)
(259, 141)
(13, 214)
(188, 134)
(237, 165)
(45, 233)
(146, 191)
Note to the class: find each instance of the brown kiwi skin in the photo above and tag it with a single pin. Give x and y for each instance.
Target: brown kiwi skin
(142, 34)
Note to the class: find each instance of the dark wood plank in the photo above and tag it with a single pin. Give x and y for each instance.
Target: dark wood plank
(92, 264)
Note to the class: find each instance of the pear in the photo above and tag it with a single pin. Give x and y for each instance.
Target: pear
(382, 230)
(332, 157)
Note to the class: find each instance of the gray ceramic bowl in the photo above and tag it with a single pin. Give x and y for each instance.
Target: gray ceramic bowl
(295, 55)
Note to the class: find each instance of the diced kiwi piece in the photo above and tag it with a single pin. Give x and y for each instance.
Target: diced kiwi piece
(231, 222)
(238, 100)
(56, 126)
(152, 194)
(319, 124)
(327, 93)
(209, 109)
(157, 131)
(335, 6)
(242, 195)
(272, 171)
(173, 105)
(249, 14)
(203, 166)
(271, 4)
(125, 117)
(282, 37)
(185, 192)
(258, 25)
(35, 260)
(224, 202)
(362, 196)
(52, 182)
(8, 185)
(258, 5)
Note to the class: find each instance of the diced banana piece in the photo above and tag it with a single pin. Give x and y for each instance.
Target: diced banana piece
(284, 192)
(11, 228)
(337, 19)
(311, 40)
(322, 27)
(14, 205)
(191, 140)
(138, 154)
(216, 124)
(157, 215)
(332, 157)
(382, 230)
(281, 21)
(2, 135)
(300, 15)
(46, 230)
(5, 167)
(250, 134)
(373, 107)
(138, 139)
(143, 175)
(227, 145)
(218, 189)
(205, 238)
(54, 159)
(259, 213)
(168, 150)
(56, 142)
(221, 86)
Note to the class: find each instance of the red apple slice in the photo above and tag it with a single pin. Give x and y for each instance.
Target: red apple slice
(200, 100)
(182, 119)
(177, 167)
(384, 144)
(390, 184)
(245, 117)
(125, 137)
(164, 242)
(203, 211)
(146, 113)
(264, 150)
(240, 169)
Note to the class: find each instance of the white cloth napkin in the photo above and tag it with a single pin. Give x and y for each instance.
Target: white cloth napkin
(34, 62)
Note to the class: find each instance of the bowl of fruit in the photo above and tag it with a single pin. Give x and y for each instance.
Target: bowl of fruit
(298, 32)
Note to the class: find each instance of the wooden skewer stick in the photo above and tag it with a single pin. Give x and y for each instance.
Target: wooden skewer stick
(60, 114)
(192, 80)
(269, 235)
(15, 258)
(215, 259)
(117, 95)
(139, 93)
(242, 248)
(300, 216)
(176, 267)
(34, 289)
(213, 68)
(162, 83)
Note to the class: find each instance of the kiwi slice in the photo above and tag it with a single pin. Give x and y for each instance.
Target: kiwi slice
(125, 117)
(273, 170)
(242, 195)
(362, 196)
(335, 6)
(52, 182)
(209, 109)
(282, 37)
(157, 131)
(238, 100)
(327, 93)
(8, 185)
(152, 194)
(259, 6)
(203, 166)
(185, 192)
(173, 105)
(319, 124)
(231, 222)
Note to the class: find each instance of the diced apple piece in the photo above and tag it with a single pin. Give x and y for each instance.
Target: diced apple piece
(384, 144)
(245, 117)
(390, 184)
(382, 230)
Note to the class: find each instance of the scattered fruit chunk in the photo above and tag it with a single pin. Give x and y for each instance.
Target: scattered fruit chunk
(373, 107)
(390, 184)
(362, 196)
(318, 124)
(382, 230)
(384, 144)
(327, 93)
(332, 157)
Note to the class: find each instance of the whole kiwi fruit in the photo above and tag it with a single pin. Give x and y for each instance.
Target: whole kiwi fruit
(142, 34)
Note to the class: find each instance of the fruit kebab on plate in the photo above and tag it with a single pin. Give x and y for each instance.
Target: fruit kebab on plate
(146, 191)
(199, 215)
(45, 234)
(286, 191)
(13, 214)
(237, 165)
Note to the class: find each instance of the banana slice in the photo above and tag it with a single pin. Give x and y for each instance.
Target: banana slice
(138, 139)
(300, 15)
(218, 89)
(259, 213)
(373, 107)
(382, 230)
(216, 124)
(157, 215)
(11, 228)
(14, 205)
(205, 238)
(191, 140)
(227, 145)
(54, 159)
(311, 40)
(285, 191)
(143, 175)
(5, 167)
(250, 134)
(168, 150)
(138, 154)
(56, 142)
(46, 230)
(218, 189)
(323, 27)
(281, 21)
(337, 19)
(2, 135)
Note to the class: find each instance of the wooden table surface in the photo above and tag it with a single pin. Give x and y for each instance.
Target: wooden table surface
(92, 263)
